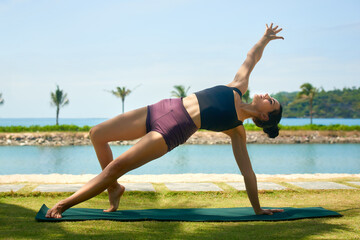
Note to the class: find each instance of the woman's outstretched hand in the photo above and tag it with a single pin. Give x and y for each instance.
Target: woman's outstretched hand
(271, 32)
(268, 211)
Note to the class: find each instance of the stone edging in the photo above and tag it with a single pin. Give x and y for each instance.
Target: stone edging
(200, 137)
(198, 177)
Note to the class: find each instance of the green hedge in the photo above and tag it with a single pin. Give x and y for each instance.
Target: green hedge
(250, 127)
(47, 128)
(333, 127)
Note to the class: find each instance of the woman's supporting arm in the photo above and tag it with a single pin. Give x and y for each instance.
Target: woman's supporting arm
(238, 141)
(254, 56)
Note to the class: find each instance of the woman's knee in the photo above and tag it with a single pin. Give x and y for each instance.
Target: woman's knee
(116, 169)
(95, 134)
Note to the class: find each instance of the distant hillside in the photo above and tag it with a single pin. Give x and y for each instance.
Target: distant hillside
(337, 103)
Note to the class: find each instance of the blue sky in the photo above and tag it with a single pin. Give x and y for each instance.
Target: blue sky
(87, 47)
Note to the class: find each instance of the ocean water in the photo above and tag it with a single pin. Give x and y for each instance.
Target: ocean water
(265, 158)
(93, 121)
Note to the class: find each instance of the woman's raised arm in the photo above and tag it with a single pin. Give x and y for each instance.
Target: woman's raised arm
(253, 56)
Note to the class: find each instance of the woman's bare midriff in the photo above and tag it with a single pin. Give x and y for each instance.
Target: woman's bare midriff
(191, 105)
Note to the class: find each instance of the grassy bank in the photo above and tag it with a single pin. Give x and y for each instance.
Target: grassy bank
(47, 128)
(313, 127)
(17, 211)
(250, 127)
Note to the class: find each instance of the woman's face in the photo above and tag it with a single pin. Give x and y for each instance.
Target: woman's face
(265, 104)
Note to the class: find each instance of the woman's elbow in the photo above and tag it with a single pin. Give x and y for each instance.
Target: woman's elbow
(248, 174)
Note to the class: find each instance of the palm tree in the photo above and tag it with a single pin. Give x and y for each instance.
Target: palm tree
(58, 99)
(121, 92)
(308, 92)
(179, 91)
(246, 96)
(1, 99)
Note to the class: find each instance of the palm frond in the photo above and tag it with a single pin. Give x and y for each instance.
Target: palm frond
(1, 99)
(53, 101)
(179, 91)
(307, 91)
(121, 92)
(66, 102)
(59, 98)
(246, 96)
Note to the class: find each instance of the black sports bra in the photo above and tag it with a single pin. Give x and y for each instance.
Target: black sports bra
(217, 108)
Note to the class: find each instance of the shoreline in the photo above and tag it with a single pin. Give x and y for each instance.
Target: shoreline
(168, 178)
(200, 137)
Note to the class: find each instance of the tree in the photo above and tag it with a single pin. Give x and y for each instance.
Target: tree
(179, 91)
(308, 92)
(121, 92)
(58, 99)
(246, 96)
(1, 99)
(327, 104)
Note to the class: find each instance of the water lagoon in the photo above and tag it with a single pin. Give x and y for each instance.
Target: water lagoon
(93, 121)
(266, 159)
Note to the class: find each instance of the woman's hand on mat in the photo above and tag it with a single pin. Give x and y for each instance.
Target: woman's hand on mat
(268, 211)
(55, 211)
(271, 32)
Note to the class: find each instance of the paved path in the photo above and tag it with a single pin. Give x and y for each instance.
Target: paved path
(321, 185)
(11, 187)
(261, 186)
(193, 187)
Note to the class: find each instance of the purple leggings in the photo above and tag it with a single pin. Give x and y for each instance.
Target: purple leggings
(170, 118)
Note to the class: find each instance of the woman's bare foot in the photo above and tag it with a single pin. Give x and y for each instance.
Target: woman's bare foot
(55, 211)
(115, 194)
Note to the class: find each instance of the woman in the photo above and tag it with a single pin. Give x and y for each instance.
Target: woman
(171, 122)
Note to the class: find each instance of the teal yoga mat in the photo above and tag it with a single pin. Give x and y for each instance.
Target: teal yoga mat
(186, 214)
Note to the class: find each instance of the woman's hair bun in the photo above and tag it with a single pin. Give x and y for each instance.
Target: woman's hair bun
(272, 132)
(270, 127)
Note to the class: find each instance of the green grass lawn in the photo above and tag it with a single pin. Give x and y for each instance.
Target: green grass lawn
(17, 212)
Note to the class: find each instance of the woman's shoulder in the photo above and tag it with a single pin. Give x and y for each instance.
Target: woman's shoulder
(238, 131)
